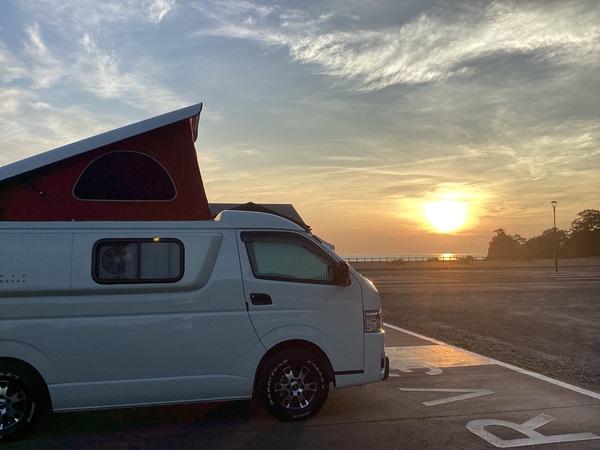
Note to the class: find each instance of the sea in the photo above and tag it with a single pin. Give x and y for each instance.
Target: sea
(423, 257)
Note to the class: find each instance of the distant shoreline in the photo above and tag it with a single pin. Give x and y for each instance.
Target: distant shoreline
(477, 263)
(387, 258)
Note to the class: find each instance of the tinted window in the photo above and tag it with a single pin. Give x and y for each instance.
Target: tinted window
(125, 176)
(138, 261)
(289, 257)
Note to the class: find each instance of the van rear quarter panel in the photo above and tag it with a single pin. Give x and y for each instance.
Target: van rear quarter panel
(119, 345)
(35, 263)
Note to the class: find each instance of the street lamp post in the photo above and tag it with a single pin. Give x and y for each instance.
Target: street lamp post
(554, 203)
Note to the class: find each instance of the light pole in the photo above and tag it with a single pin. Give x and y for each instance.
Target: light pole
(554, 203)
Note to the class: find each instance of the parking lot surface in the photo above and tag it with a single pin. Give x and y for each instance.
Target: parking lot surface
(524, 314)
(437, 396)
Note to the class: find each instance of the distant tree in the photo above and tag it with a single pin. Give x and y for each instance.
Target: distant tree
(587, 220)
(582, 240)
(542, 246)
(584, 237)
(505, 246)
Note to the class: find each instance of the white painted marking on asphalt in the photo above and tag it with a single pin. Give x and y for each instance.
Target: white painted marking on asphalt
(409, 367)
(528, 429)
(502, 364)
(468, 393)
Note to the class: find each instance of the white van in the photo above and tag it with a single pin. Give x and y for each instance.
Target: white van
(118, 314)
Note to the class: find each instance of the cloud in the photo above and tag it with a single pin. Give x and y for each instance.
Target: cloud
(379, 104)
(45, 69)
(158, 9)
(58, 81)
(10, 99)
(88, 16)
(84, 65)
(432, 47)
(29, 127)
(12, 68)
(100, 73)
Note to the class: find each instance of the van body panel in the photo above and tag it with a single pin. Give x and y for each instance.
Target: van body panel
(328, 315)
(325, 315)
(97, 360)
(172, 344)
(201, 252)
(165, 391)
(201, 335)
(37, 263)
(375, 363)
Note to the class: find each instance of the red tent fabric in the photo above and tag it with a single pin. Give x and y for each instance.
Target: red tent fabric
(145, 171)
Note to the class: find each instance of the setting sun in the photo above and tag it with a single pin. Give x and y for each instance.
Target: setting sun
(449, 208)
(446, 216)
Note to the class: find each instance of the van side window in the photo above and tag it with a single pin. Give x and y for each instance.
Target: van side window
(137, 261)
(288, 257)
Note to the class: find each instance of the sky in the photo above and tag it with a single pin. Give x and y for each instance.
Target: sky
(393, 127)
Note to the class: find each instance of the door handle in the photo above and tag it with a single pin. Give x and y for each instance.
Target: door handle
(261, 299)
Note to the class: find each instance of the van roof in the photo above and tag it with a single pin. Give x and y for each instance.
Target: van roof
(225, 220)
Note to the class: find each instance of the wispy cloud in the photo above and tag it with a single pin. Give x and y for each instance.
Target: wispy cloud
(158, 9)
(12, 68)
(57, 56)
(99, 73)
(80, 58)
(83, 16)
(45, 69)
(430, 48)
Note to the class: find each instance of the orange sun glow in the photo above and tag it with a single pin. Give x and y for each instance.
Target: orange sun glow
(446, 216)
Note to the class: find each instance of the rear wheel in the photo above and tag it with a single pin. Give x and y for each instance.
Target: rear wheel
(294, 385)
(19, 402)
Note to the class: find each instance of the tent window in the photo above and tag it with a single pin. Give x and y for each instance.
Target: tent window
(125, 176)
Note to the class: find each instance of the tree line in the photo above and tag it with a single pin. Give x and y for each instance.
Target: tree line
(580, 241)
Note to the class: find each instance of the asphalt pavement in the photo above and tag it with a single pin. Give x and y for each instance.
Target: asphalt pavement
(524, 314)
(437, 397)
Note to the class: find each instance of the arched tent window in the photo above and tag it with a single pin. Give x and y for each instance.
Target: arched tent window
(125, 176)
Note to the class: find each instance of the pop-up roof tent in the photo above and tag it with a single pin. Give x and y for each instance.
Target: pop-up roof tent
(144, 171)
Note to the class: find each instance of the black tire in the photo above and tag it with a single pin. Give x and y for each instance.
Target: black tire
(294, 385)
(20, 402)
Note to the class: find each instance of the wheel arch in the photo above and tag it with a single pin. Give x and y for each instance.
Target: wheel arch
(15, 364)
(29, 355)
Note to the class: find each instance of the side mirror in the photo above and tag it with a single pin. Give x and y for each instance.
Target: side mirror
(342, 274)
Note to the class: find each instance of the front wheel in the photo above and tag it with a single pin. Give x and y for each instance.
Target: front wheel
(294, 385)
(19, 403)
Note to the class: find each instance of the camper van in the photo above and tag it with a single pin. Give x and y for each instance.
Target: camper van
(119, 288)
(119, 314)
